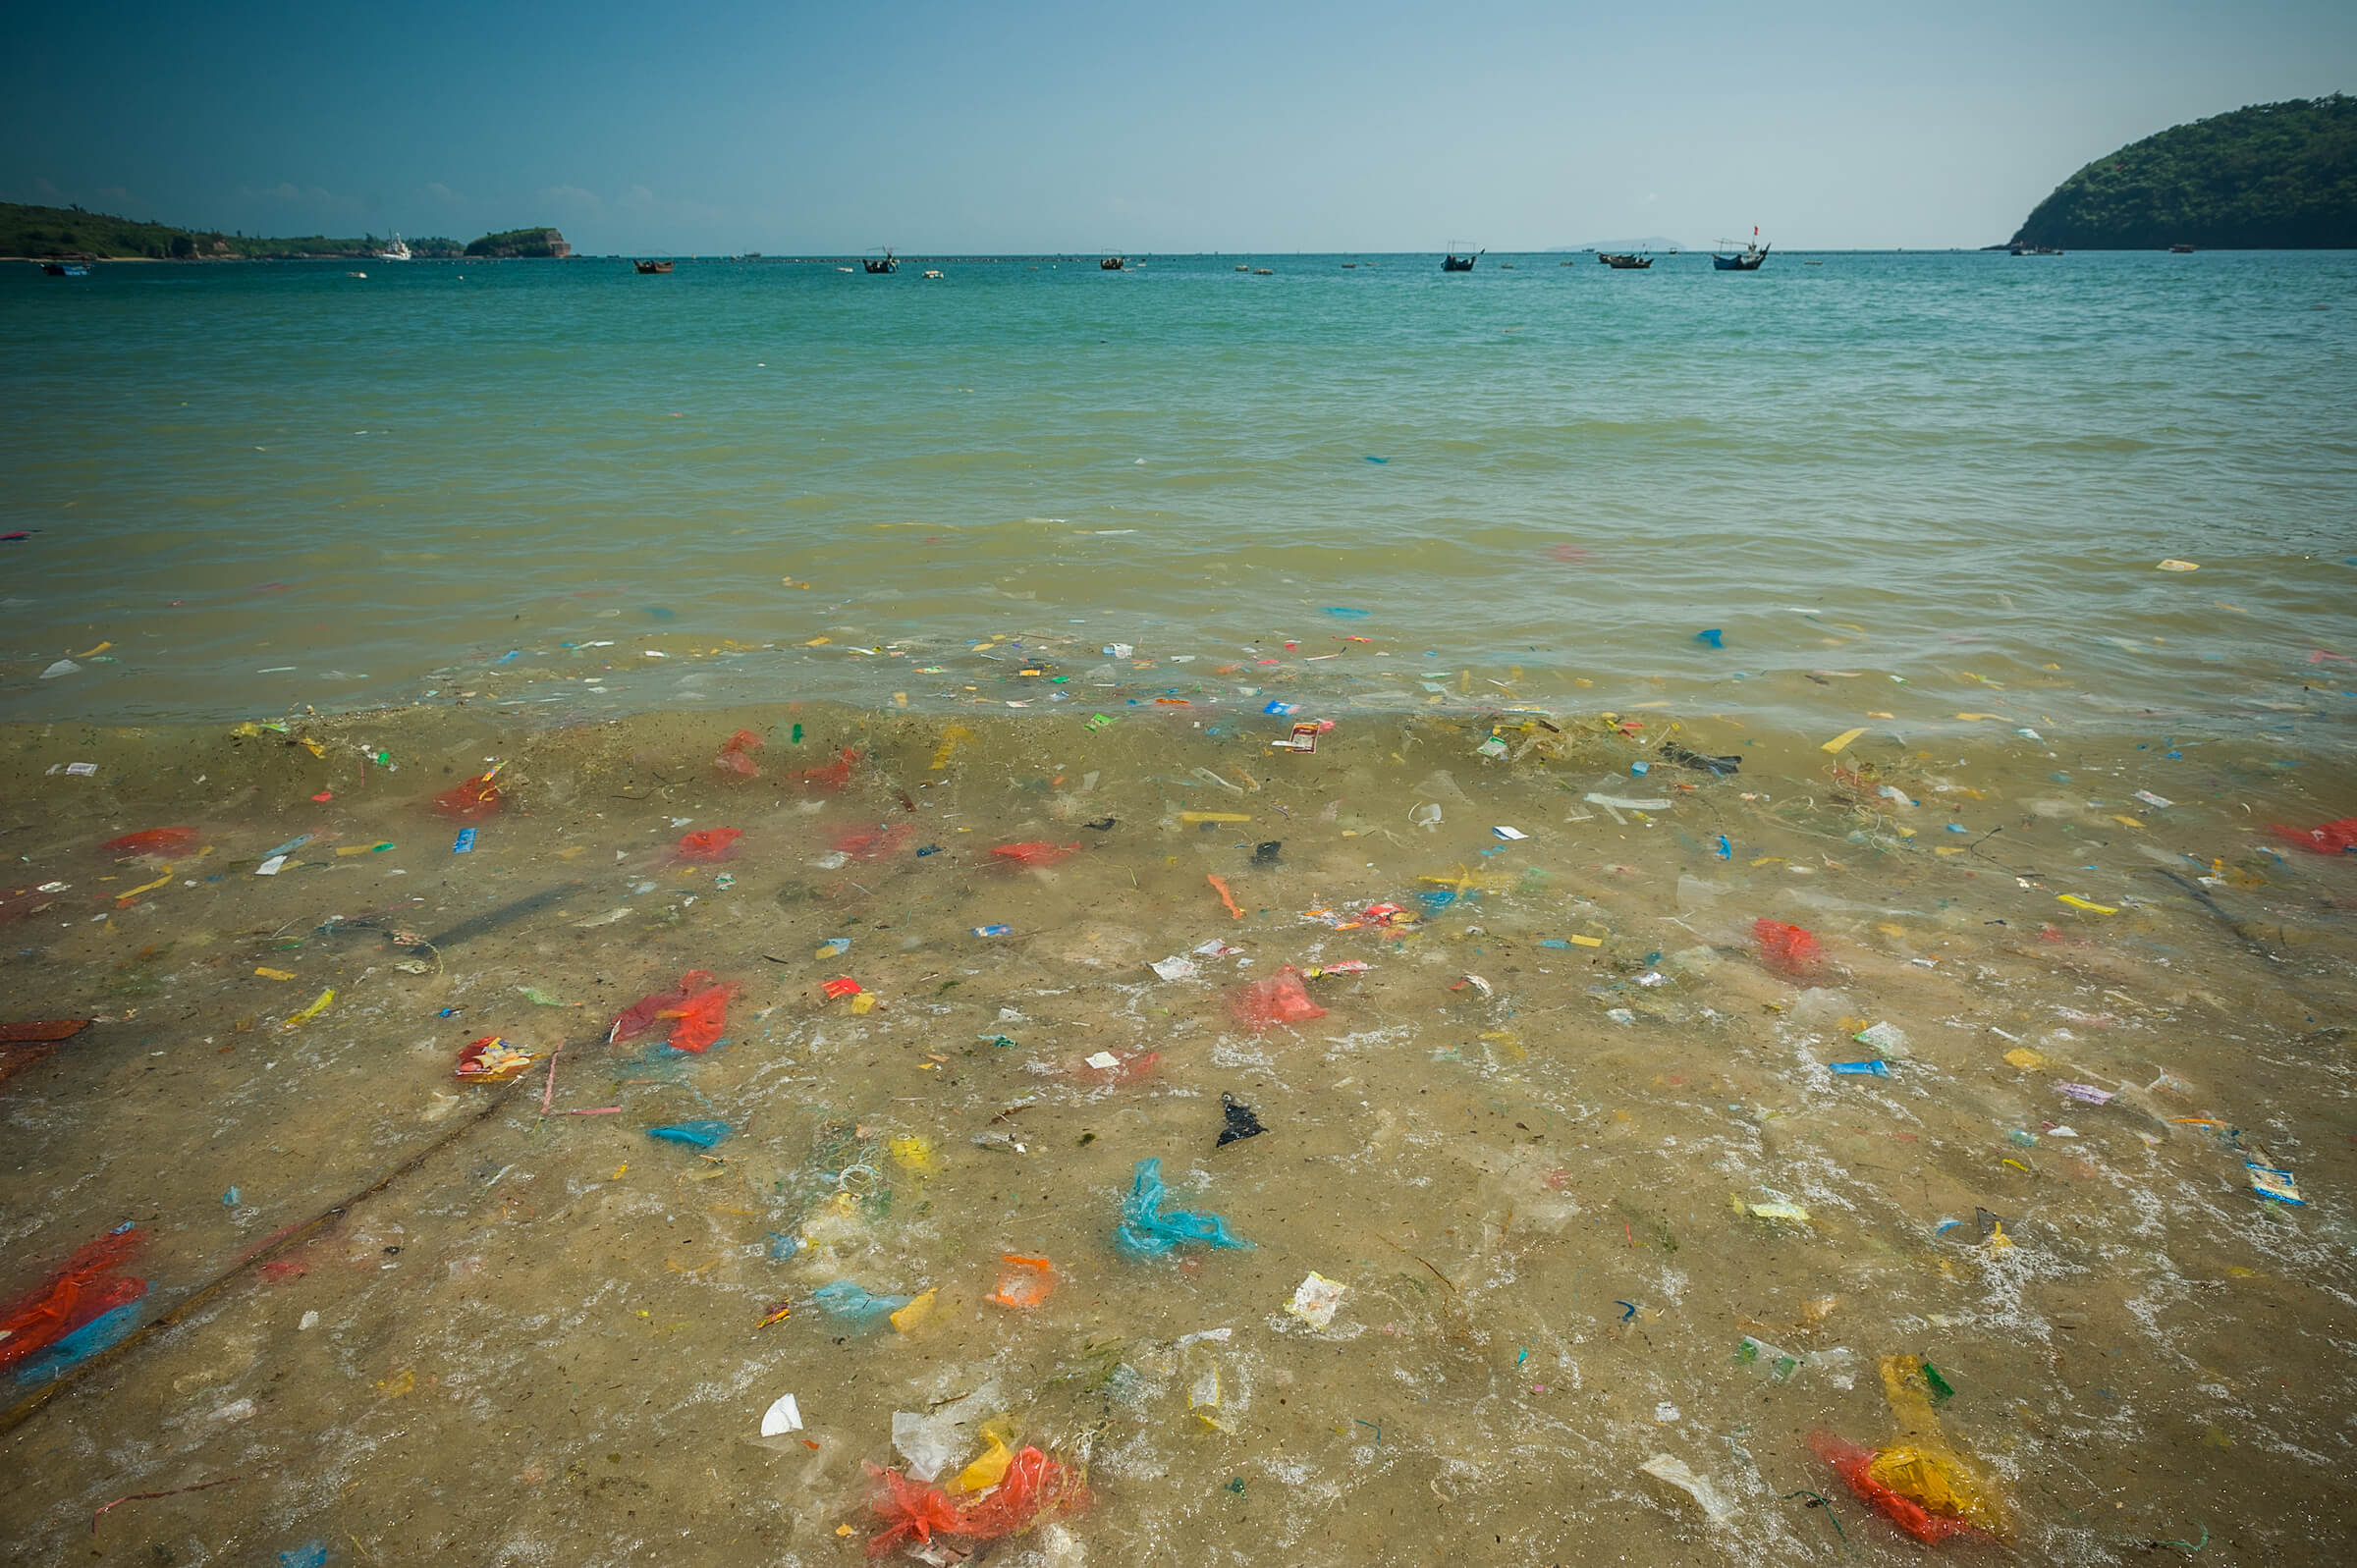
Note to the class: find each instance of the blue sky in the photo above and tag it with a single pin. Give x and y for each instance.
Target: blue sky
(971, 127)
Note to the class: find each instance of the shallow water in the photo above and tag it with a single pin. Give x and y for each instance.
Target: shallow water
(270, 486)
(539, 1341)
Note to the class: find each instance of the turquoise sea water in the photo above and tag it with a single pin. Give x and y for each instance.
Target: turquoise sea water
(282, 484)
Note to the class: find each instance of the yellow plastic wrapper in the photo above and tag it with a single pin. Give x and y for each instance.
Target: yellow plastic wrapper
(991, 1468)
(914, 1152)
(912, 1317)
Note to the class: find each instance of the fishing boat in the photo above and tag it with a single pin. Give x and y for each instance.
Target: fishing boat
(397, 251)
(1453, 263)
(1623, 263)
(65, 269)
(2180, 251)
(652, 266)
(1748, 259)
(889, 263)
(1112, 264)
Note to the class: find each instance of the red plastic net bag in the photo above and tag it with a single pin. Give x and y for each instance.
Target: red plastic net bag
(1853, 1464)
(1787, 949)
(698, 1010)
(2324, 839)
(1280, 999)
(1034, 1488)
(1036, 853)
(477, 797)
(708, 844)
(830, 777)
(86, 1286)
(157, 841)
(733, 763)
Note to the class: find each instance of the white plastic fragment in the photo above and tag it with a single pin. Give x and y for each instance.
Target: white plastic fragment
(64, 667)
(1315, 1299)
(781, 1418)
(1673, 1472)
(1176, 968)
(1427, 815)
(1883, 1037)
(1623, 802)
(1103, 1061)
(82, 770)
(1509, 835)
(270, 867)
(2151, 799)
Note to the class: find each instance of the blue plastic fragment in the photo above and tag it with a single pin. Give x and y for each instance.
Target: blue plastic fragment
(1378, 459)
(465, 844)
(1878, 1069)
(289, 848)
(1553, 941)
(230, 1199)
(1347, 613)
(1638, 770)
(1147, 1232)
(702, 1134)
(102, 1332)
(783, 1247)
(310, 1554)
(853, 1303)
(1713, 638)
(1727, 851)
(1436, 900)
(1632, 1311)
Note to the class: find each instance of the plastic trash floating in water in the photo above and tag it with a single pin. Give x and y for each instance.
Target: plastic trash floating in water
(853, 1304)
(1145, 1231)
(700, 1134)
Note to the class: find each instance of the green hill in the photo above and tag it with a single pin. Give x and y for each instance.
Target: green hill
(71, 232)
(2273, 176)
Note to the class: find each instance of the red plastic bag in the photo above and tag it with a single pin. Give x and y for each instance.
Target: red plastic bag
(477, 797)
(1280, 999)
(87, 1286)
(698, 1011)
(830, 777)
(1038, 852)
(733, 763)
(158, 841)
(1033, 1487)
(1914, 1517)
(708, 844)
(2326, 838)
(1787, 949)
(873, 845)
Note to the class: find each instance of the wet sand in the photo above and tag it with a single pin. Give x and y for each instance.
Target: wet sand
(1531, 1141)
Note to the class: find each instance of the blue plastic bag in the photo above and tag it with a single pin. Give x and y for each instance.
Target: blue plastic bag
(702, 1134)
(1147, 1233)
(852, 1304)
(310, 1554)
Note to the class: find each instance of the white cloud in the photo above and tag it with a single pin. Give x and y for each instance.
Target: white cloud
(443, 193)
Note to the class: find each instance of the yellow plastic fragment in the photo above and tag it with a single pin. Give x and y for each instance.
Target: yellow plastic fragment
(2077, 902)
(1192, 817)
(2126, 821)
(326, 998)
(1587, 942)
(275, 974)
(912, 1317)
(1979, 716)
(1841, 740)
(914, 1152)
(2026, 1059)
(990, 1469)
(866, 1001)
(818, 642)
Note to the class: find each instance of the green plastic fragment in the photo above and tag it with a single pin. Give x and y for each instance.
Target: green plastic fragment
(538, 998)
(1941, 1391)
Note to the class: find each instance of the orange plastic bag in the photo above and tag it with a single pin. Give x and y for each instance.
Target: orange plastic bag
(873, 845)
(708, 844)
(1280, 999)
(830, 777)
(698, 1011)
(1027, 1282)
(732, 763)
(84, 1287)
(1787, 949)
(477, 797)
